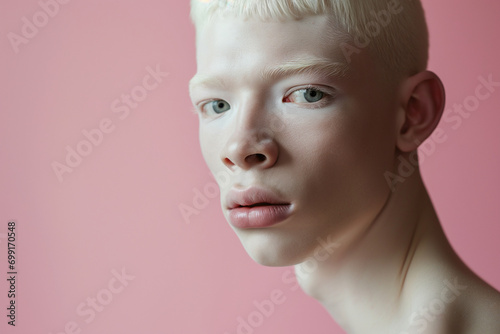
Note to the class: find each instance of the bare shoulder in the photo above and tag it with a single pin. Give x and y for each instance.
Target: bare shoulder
(479, 309)
(487, 311)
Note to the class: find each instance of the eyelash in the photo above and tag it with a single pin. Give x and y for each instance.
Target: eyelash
(328, 95)
(202, 105)
(327, 98)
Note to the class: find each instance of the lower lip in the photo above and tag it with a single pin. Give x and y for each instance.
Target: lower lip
(259, 216)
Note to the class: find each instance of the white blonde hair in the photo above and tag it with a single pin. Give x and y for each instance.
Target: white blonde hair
(401, 45)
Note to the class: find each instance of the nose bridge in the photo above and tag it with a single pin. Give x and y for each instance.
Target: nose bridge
(251, 113)
(251, 141)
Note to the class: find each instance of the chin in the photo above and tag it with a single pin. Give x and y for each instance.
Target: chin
(269, 260)
(269, 250)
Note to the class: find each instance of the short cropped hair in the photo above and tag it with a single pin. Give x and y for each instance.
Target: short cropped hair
(394, 31)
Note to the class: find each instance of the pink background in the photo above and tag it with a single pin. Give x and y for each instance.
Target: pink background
(120, 207)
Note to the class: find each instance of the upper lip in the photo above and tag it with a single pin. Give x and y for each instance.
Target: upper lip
(252, 196)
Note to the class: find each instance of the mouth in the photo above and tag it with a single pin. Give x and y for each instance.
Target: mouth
(253, 197)
(260, 215)
(256, 208)
(261, 204)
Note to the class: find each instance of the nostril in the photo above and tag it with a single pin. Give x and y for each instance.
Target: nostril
(228, 162)
(255, 158)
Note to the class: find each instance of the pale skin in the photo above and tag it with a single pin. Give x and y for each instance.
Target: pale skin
(323, 142)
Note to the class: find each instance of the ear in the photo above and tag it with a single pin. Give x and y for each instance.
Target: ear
(423, 100)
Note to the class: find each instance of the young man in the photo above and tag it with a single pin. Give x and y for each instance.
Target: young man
(306, 108)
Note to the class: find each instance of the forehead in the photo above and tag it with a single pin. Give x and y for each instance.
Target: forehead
(231, 42)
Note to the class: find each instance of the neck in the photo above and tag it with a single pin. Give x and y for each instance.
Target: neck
(370, 282)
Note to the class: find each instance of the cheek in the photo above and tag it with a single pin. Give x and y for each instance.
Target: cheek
(342, 162)
(209, 149)
(367, 134)
(212, 142)
(340, 140)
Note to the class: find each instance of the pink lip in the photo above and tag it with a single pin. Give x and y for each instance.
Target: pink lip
(256, 208)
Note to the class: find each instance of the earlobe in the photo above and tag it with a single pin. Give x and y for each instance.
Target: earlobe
(423, 104)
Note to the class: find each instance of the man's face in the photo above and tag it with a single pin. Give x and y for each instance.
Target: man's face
(320, 139)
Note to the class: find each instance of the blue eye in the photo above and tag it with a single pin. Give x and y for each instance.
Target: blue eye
(306, 95)
(312, 95)
(218, 106)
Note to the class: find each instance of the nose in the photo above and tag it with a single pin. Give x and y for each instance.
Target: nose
(252, 144)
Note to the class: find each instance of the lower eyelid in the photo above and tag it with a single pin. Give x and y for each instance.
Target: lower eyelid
(202, 106)
(320, 104)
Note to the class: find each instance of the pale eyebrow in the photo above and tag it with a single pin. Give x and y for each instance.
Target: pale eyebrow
(312, 66)
(205, 80)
